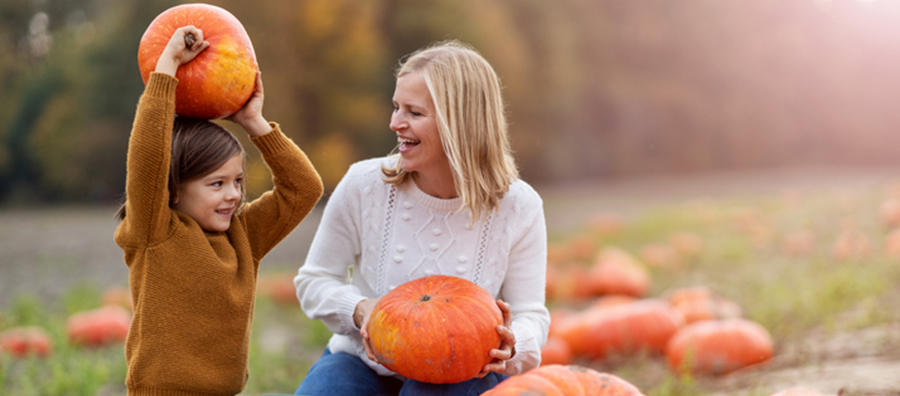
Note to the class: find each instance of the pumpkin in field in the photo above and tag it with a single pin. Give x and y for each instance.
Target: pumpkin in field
(716, 347)
(556, 351)
(24, 341)
(643, 325)
(574, 327)
(698, 303)
(687, 244)
(437, 329)
(660, 255)
(564, 380)
(98, 327)
(616, 271)
(220, 79)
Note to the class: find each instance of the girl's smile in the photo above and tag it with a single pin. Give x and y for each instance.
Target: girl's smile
(213, 199)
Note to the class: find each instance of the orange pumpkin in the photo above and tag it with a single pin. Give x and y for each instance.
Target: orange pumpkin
(687, 244)
(716, 347)
(556, 351)
(698, 303)
(24, 341)
(220, 79)
(644, 325)
(99, 327)
(564, 380)
(615, 271)
(437, 329)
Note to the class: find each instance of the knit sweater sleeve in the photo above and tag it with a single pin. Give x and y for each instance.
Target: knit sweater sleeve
(296, 189)
(149, 153)
(523, 285)
(322, 281)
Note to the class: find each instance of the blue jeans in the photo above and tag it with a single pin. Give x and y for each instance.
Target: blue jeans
(342, 374)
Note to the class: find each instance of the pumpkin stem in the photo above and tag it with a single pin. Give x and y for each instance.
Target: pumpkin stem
(425, 298)
(189, 40)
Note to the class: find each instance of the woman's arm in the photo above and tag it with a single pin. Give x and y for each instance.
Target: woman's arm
(322, 281)
(523, 288)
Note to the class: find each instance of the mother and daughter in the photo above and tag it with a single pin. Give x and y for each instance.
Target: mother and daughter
(449, 201)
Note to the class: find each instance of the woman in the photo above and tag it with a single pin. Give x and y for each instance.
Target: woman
(448, 202)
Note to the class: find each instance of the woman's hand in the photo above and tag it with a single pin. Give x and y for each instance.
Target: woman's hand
(250, 116)
(507, 347)
(177, 52)
(361, 320)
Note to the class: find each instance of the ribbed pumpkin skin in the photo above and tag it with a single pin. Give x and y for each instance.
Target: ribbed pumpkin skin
(716, 347)
(217, 82)
(565, 380)
(437, 329)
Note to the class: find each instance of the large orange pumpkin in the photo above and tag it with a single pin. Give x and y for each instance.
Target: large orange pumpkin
(438, 329)
(644, 325)
(715, 347)
(220, 79)
(564, 380)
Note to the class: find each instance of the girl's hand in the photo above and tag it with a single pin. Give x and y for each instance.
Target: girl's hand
(250, 116)
(361, 319)
(177, 52)
(507, 347)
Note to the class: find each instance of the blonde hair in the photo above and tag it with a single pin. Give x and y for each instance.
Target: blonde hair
(471, 122)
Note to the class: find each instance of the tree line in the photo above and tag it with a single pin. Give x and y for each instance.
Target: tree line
(596, 89)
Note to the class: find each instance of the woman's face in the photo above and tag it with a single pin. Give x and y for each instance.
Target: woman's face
(415, 121)
(212, 199)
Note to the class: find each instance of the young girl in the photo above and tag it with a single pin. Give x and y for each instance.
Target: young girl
(192, 245)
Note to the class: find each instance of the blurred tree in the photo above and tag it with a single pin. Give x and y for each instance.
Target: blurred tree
(595, 88)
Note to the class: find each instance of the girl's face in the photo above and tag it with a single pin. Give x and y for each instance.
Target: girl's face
(415, 121)
(212, 199)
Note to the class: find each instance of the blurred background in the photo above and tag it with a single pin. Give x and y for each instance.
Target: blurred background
(597, 90)
(631, 118)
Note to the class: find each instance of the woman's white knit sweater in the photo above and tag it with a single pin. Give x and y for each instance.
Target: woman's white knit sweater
(374, 237)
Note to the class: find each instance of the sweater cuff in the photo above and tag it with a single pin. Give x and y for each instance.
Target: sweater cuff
(527, 355)
(272, 142)
(161, 85)
(346, 309)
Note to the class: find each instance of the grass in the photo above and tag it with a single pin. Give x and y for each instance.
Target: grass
(742, 257)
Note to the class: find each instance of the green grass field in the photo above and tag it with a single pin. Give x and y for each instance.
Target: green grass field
(824, 308)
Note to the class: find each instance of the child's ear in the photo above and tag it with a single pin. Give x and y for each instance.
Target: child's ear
(175, 198)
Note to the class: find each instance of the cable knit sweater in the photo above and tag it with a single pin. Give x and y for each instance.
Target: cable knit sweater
(194, 290)
(374, 237)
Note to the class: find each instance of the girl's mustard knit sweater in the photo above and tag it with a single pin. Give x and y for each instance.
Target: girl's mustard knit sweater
(194, 290)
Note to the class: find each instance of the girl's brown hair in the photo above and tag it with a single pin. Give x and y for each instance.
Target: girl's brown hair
(199, 147)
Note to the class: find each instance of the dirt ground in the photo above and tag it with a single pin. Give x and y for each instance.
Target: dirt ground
(44, 252)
